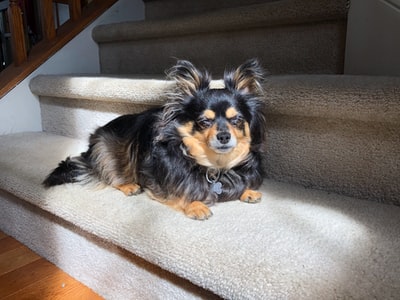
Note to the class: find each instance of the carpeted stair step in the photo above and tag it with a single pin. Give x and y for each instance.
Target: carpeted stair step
(288, 36)
(297, 243)
(333, 132)
(75, 105)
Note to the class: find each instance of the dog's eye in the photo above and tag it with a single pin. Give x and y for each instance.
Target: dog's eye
(237, 121)
(205, 123)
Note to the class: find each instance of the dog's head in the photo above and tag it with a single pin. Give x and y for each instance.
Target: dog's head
(220, 126)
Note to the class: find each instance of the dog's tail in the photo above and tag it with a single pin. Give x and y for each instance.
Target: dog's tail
(70, 170)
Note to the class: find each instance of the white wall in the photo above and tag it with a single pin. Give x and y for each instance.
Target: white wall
(20, 110)
(373, 38)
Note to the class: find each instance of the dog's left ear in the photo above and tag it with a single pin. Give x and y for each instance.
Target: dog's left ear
(188, 78)
(247, 78)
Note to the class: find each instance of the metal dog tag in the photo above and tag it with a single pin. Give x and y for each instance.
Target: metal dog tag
(216, 187)
(212, 176)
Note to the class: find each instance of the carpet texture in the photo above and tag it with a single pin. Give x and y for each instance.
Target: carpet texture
(270, 13)
(296, 244)
(111, 271)
(337, 133)
(288, 36)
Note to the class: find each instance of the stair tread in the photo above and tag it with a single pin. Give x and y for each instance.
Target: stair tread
(297, 242)
(365, 98)
(238, 18)
(139, 89)
(102, 87)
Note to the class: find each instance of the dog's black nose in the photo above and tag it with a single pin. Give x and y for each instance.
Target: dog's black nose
(224, 137)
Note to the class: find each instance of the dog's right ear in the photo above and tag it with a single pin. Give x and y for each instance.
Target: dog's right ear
(247, 78)
(188, 78)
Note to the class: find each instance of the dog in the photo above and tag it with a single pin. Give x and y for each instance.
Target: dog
(202, 147)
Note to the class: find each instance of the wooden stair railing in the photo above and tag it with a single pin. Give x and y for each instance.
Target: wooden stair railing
(18, 44)
(48, 26)
(54, 38)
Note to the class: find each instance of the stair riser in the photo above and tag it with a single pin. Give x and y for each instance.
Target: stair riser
(311, 48)
(78, 118)
(351, 157)
(78, 253)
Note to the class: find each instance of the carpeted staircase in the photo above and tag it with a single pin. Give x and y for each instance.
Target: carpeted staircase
(328, 226)
(289, 36)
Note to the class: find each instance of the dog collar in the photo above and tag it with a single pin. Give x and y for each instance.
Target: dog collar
(212, 177)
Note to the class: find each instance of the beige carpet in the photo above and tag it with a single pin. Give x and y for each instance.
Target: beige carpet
(290, 36)
(296, 244)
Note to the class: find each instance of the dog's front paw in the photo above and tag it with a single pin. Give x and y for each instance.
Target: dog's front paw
(130, 189)
(251, 196)
(197, 210)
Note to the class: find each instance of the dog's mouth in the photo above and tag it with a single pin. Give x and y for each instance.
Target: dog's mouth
(222, 149)
(222, 143)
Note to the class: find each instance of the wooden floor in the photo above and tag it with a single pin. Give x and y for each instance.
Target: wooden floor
(25, 275)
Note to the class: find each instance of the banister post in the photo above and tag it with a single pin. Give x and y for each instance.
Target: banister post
(75, 10)
(17, 33)
(49, 28)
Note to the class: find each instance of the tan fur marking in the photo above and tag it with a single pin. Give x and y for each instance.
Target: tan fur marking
(195, 210)
(129, 189)
(247, 129)
(197, 145)
(245, 83)
(194, 144)
(209, 114)
(231, 112)
(233, 158)
(187, 86)
(251, 196)
(190, 86)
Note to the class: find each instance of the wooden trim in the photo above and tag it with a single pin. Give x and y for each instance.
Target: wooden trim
(74, 9)
(48, 26)
(17, 31)
(25, 275)
(12, 75)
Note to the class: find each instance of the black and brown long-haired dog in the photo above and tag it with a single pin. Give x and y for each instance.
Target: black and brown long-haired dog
(203, 146)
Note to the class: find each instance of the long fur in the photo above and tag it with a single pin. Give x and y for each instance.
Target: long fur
(172, 151)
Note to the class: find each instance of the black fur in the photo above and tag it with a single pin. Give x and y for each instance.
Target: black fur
(148, 148)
